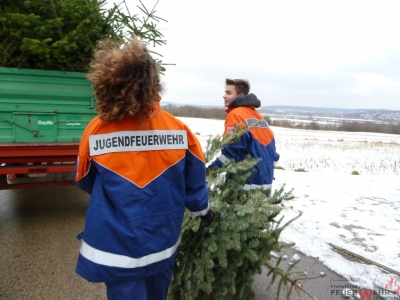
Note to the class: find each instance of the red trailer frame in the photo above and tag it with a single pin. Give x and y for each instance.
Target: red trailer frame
(36, 160)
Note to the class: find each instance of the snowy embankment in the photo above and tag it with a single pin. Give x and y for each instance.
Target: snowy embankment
(360, 213)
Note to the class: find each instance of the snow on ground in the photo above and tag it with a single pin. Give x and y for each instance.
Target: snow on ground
(360, 213)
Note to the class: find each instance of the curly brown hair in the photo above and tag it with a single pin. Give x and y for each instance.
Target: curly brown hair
(125, 79)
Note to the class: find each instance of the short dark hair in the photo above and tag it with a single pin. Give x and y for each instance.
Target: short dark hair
(241, 85)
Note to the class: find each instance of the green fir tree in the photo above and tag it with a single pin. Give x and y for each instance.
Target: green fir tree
(62, 34)
(220, 261)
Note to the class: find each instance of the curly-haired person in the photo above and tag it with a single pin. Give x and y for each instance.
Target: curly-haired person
(141, 167)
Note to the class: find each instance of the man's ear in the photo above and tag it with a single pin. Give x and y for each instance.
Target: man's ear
(241, 94)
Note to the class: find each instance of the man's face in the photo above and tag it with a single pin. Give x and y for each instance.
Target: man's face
(230, 94)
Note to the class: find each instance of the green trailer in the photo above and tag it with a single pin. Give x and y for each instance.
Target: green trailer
(42, 117)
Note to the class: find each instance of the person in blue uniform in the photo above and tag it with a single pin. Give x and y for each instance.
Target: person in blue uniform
(142, 168)
(259, 142)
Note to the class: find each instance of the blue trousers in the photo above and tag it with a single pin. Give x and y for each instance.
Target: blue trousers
(150, 288)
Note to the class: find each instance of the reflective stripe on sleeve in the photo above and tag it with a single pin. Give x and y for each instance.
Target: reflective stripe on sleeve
(248, 187)
(201, 213)
(122, 261)
(223, 159)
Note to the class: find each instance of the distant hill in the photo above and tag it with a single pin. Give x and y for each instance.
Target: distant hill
(383, 115)
(286, 108)
(164, 103)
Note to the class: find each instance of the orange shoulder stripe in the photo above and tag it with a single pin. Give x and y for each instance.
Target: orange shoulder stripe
(148, 164)
(239, 115)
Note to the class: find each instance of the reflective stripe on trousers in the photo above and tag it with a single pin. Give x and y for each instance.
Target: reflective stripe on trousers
(121, 261)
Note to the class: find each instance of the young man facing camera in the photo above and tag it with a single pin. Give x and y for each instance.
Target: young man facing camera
(259, 142)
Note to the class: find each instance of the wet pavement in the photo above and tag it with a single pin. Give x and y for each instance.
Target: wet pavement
(38, 249)
(320, 287)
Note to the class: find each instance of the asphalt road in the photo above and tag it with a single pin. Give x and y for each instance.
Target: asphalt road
(38, 249)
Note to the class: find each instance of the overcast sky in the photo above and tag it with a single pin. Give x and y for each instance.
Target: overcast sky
(341, 53)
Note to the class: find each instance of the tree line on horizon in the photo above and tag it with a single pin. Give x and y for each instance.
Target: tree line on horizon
(350, 126)
(220, 114)
(195, 112)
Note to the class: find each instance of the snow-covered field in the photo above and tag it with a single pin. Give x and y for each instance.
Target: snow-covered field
(360, 213)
